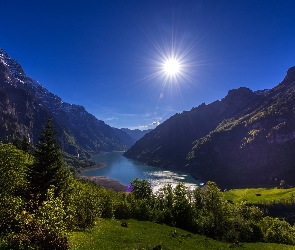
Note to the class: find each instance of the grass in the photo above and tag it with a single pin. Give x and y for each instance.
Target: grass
(109, 234)
(267, 194)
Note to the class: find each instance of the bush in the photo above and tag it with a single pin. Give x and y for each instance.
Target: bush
(43, 228)
(122, 208)
(278, 231)
(10, 208)
(141, 189)
(107, 203)
(35, 235)
(182, 210)
(84, 205)
(140, 209)
(14, 165)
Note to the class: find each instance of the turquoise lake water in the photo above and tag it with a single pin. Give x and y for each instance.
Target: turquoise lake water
(125, 170)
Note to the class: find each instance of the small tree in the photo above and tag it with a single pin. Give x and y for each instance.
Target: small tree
(282, 184)
(49, 167)
(141, 189)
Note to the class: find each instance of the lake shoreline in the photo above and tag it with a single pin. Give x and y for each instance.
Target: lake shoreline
(121, 171)
(106, 182)
(96, 166)
(102, 181)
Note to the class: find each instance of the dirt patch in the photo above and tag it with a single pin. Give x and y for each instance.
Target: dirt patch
(106, 183)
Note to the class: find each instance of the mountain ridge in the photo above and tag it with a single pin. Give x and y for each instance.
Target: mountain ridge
(27, 104)
(244, 139)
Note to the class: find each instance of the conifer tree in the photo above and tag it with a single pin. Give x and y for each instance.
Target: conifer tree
(25, 144)
(49, 167)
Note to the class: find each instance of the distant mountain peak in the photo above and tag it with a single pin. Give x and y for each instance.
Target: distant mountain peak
(15, 68)
(290, 74)
(239, 92)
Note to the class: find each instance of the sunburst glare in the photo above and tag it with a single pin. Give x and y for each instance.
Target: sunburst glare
(172, 66)
(172, 63)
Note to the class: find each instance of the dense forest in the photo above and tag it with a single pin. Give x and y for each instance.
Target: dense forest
(41, 202)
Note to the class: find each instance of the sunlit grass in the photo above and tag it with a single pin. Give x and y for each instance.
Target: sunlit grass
(266, 195)
(109, 234)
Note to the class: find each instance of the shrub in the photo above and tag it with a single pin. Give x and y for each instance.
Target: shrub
(10, 207)
(43, 228)
(182, 210)
(122, 208)
(14, 165)
(84, 204)
(141, 189)
(278, 231)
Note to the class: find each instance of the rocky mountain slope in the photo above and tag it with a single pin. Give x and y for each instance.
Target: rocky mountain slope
(245, 139)
(25, 106)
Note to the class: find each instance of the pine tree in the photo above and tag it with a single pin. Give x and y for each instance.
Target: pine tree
(49, 167)
(25, 145)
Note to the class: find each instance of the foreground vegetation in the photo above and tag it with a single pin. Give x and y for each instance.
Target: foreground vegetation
(112, 234)
(41, 203)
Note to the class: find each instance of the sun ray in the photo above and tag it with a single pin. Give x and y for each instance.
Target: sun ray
(171, 63)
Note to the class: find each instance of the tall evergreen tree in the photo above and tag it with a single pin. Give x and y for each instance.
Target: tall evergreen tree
(25, 145)
(49, 167)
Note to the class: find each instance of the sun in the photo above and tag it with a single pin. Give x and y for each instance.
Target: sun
(172, 66)
(171, 61)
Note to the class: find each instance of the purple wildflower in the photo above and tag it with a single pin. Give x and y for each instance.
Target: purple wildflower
(129, 188)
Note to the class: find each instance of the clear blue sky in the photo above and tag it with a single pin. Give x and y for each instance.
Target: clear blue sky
(102, 54)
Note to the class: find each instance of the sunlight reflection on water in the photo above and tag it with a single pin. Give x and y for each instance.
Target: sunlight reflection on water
(158, 179)
(125, 170)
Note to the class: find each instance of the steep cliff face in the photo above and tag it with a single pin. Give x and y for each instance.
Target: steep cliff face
(20, 111)
(245, 139)
(26, 105)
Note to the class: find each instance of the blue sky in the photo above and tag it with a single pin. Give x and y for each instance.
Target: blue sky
(105, 55)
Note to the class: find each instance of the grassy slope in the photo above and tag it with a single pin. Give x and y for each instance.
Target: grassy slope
(267, 194)
(109, 234)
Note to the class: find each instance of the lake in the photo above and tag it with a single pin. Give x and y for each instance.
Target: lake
(124, 170)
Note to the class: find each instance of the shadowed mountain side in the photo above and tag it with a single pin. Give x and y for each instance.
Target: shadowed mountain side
(169, 143)
(245, 139)
(256, 148)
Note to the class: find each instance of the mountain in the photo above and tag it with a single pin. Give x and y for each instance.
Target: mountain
(245, 139)
(124, 137)
(25, 106)
(136, 134)
(169, 143)
(130, 136)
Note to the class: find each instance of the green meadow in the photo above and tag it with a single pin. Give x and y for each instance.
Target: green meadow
(266, 195)
(110, 234)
